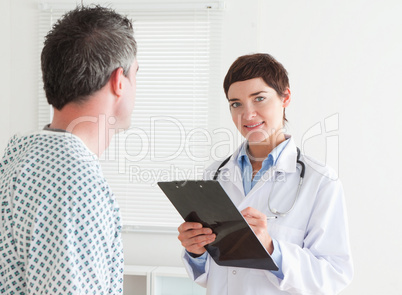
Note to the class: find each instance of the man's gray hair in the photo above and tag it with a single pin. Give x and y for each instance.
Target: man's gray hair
(82, 51)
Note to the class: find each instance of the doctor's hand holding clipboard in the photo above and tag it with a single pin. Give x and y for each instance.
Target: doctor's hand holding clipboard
(294, 205)
(194, 237)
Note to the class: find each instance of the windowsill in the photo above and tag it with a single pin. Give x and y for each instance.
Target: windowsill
(149, 229)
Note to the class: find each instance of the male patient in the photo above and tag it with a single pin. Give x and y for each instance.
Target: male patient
(60, 223)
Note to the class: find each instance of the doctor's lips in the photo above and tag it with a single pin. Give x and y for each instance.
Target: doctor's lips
(255, 125)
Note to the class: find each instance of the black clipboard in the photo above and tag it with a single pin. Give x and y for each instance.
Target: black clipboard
(207, 203)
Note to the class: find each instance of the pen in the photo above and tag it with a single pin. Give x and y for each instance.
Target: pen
(272, 217)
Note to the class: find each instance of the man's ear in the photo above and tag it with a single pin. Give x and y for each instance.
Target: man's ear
(116, 81)
(286, 98)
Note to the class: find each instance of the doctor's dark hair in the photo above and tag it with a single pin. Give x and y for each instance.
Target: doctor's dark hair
(259, 65)
(82, 51)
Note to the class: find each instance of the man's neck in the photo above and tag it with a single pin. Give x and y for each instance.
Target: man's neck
(89, 124)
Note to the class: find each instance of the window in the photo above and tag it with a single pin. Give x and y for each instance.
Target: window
(179, 59)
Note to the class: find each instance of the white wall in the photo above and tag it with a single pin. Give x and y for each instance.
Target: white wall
(19, 74)
(343, 58)
(5, 54)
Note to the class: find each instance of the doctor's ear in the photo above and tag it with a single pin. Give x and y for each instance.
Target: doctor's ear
(286, 98)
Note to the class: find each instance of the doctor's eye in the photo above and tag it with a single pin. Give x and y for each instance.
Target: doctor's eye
(235, 105)
(259, 98)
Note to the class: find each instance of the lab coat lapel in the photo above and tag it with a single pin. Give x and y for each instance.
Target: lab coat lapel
(236, 177)
(267, 176)
(287, 160)
(231, 172)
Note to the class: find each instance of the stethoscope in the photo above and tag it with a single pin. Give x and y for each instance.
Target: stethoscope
(273, 210)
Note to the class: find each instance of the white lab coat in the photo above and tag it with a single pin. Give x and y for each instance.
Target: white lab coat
(313, 237)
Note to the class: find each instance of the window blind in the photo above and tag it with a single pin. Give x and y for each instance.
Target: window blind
(177, 83)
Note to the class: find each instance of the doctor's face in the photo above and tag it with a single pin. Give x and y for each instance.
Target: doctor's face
(257, 109)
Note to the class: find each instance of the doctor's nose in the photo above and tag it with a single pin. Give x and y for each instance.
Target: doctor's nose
(249, 113)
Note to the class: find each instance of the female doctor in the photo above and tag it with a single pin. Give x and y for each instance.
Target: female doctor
(304, 228)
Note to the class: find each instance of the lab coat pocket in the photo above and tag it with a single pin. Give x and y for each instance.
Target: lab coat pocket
(285, 233)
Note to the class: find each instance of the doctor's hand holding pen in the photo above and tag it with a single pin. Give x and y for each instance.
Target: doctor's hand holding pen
(258, 223)
(194, 237)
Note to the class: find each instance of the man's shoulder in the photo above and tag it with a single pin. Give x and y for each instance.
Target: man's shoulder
(49, 152)
(66, 148)
(17, 147)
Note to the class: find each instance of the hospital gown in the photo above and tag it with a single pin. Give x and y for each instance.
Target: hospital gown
(60, 230)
